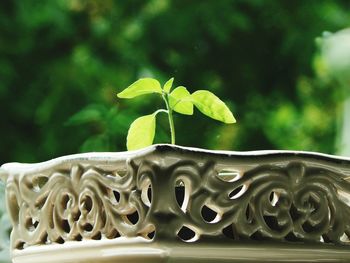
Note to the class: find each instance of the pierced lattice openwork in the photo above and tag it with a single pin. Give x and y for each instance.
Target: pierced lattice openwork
(180, 194)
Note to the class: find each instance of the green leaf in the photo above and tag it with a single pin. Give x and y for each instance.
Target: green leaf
(141, 87)
(180, 101)
(91, 113)
(212, 106)
(168, 85)
(97, 143)
(141, 132)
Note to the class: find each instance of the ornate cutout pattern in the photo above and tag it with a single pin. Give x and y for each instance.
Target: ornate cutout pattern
(5, 228)
(185, 200)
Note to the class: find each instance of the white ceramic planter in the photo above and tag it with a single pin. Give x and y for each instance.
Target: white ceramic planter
(175, 204)
(5, 228)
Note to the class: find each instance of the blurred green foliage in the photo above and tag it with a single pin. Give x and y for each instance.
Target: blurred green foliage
(63, 61)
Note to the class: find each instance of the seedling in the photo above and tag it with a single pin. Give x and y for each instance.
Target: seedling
(180, 100)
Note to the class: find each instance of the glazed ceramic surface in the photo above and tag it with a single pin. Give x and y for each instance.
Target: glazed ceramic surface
(5, 228)
(175, 204)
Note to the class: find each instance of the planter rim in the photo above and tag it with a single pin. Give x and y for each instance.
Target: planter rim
(160, 148)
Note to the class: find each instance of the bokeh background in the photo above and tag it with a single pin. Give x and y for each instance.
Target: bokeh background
(63, 61)
(279, 66)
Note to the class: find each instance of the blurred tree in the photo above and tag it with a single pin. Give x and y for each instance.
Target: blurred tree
(64, 58)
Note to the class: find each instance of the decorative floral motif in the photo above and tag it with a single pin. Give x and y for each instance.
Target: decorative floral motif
(182, 196)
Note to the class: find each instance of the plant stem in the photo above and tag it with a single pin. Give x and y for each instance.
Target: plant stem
(160, 110)
(170, 117)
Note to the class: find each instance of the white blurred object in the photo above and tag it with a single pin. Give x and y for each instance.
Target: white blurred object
(336, 54)
(345, 133)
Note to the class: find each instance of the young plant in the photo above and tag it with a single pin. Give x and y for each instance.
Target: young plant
(142, 130)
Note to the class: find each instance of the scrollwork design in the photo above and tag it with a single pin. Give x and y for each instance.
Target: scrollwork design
(76, 204)
(5, 228)
(183, 200)
(294, 203)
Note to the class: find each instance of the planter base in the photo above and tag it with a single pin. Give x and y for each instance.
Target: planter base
(136, 250)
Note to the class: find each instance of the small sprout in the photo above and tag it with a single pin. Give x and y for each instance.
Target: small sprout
(141, 87)
(142, 130)
(168, 85)
(179, 101)
(212, 106)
